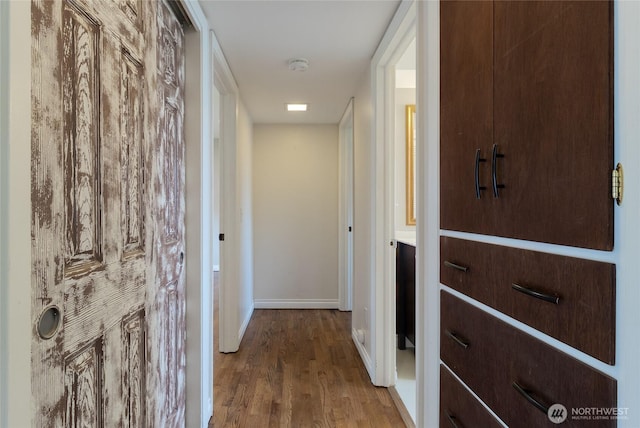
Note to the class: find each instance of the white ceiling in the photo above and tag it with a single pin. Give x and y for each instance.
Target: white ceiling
(338, 37)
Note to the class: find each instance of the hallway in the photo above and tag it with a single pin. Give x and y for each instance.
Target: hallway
(297, 368)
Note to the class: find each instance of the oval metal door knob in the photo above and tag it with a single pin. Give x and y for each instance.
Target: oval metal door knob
(49, 322)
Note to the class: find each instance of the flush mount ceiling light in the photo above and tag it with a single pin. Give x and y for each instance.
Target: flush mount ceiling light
(296, 107)
(298, 64)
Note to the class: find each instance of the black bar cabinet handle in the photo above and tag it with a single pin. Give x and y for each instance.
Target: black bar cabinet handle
(494, 170)
(527, 395)
(452, 420)
(455, 266)
(538, 295)
(477, 174)
(456, 339)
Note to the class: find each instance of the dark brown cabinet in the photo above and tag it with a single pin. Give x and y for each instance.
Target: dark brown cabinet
(405, 294)
(515, 374)
(526, 111)
(567, 298)
(459, 407)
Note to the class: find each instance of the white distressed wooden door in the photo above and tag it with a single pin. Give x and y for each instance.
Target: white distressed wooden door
(107, 220)
(167, 316)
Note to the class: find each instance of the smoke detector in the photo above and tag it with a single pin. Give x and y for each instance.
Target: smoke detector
(298, 64)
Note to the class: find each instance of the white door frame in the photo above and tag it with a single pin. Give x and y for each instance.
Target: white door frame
(399, 34)
(229, 334)
(199, 219)
(4, 226)
(428, 215)
(345, 210)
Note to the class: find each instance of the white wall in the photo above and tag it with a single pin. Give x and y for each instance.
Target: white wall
(627, 232)
(15, 394)
(244, 215)
(363, 253)
(403, 97)
(295, 203)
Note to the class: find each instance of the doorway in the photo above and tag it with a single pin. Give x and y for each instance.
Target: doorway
(345, 208)
(394, 113)
(225, 117)
(405, 225)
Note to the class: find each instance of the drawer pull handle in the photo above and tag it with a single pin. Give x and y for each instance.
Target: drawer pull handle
(494, 173)
(455, 266)
(536, 294)
(452, 420)
(527, 395)
(477, 174)
(456, 339)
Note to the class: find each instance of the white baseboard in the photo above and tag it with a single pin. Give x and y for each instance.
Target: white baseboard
(404, 413)
(245, 324)
(296, 304)
(363, 354)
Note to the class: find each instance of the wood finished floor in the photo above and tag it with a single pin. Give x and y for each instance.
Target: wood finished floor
(298, 368)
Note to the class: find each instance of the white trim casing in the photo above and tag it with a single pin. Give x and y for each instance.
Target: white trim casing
(345, 209)
(198, 221)
(397, 37)
(428, 216)
(229, 334)
(4, 145)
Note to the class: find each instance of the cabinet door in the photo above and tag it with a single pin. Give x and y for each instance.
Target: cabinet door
(466, 112)
(553, 112)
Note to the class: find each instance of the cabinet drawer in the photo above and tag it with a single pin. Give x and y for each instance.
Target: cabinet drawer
(491, 356)
(516, 282)
(458, 408)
